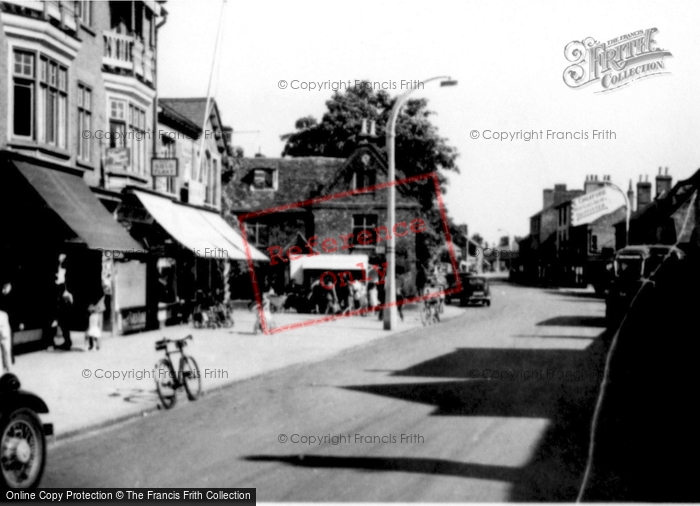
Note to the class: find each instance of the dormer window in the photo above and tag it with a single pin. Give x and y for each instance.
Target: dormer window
(363, 176)
(264, 180)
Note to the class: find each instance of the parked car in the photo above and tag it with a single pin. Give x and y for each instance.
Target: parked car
(475, 289)
(22, 436)
(632, 267)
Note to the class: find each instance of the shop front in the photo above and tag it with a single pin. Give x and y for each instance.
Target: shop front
(191, 249)
(55, 233)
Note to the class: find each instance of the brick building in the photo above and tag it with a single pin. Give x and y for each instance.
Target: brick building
(538, 251)
(78, 91)
(70, 72)
(661, 220)
(263, 183)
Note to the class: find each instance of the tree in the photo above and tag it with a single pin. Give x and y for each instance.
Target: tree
(419, 148)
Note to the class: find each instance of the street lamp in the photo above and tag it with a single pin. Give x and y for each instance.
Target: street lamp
(628, 211)
(390, 313)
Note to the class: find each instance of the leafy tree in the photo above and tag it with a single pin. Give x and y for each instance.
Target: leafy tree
(418, 147)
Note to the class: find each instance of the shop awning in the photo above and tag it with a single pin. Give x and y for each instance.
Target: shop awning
(69, 196)
(203, 232)
(231, 235)
(327, 263)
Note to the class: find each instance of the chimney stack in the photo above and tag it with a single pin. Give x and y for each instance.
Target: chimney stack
(663, 183)
(591, 184)
(547, 198)
(643, 193)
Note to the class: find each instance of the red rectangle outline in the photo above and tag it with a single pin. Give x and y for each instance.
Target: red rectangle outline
(317, 200)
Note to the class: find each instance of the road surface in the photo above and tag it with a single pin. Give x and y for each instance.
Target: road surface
(492, 406)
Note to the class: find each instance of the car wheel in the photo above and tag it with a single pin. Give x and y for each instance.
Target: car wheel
(22, 450)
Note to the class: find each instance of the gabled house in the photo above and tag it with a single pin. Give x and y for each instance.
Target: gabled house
(356, 223)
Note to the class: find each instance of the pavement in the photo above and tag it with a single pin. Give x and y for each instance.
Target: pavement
(89, 390)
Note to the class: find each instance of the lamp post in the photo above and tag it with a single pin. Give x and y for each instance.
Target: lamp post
(628, 211)
(390, 312)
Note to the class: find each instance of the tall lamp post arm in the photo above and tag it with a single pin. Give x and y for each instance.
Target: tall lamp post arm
(628, 211)
(390, 312)
(391, 126)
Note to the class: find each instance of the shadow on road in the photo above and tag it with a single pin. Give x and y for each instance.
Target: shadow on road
(590, 338)
(499, 386)
(555, 384)
(575, 321)
(578, 295)
(402, 464)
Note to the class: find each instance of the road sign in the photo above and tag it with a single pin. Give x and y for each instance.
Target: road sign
(591, 206)
(164, 167)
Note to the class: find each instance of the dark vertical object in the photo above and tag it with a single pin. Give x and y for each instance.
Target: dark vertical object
(152, 292)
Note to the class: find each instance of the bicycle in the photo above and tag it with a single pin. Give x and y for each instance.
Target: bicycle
(429, 313)
(168, 382)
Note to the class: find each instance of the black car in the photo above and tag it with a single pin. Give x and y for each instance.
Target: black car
(22, 436)
(475, 289)
(633, 266)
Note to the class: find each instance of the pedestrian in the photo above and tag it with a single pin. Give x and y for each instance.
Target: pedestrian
(95, 321)
(267, 314)
(399, 300)
(65, 307)
(5, 330)
(373, 297)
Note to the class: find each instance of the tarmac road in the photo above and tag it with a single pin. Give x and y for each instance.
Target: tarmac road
(493, 406)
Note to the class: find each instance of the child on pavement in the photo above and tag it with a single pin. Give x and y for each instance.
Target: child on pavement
(267, 313)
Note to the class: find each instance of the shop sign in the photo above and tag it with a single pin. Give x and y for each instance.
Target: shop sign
(133, 320)
(164, 167)
(117, 159)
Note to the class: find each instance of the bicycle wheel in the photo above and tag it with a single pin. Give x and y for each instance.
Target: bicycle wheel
(166, 383)
(425, 315)
(190, 377)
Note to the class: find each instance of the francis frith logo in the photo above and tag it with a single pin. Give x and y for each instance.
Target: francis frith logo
(615, 63)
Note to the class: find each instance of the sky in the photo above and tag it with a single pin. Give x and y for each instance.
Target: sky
(508, 57)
